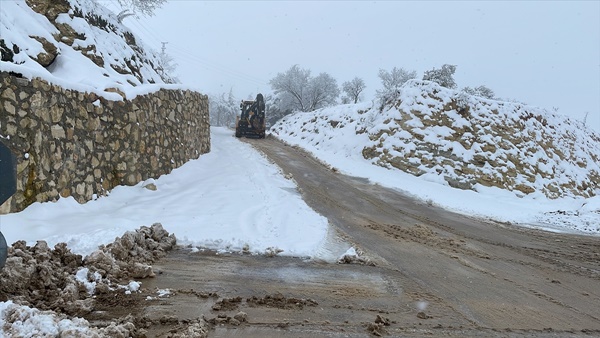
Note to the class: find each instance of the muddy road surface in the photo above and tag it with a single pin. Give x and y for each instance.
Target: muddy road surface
(434, 273)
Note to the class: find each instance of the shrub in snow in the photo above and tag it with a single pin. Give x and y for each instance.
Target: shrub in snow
(481, 91)
(353, 90)
(444, 76)
(392, 81)
(303, 92)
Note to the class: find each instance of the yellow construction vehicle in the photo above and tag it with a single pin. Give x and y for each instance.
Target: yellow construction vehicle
(251, 122)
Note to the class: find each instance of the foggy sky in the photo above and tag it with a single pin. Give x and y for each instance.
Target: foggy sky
(543, 53)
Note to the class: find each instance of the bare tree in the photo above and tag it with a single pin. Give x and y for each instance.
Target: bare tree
(353, 89)
(300, 91)
(481, 91)
(392, 81)
(137, 7)
(444, 76)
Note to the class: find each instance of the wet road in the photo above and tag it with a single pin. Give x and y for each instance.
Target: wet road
(437, 273)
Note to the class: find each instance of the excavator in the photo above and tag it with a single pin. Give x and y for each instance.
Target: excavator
(251, 122)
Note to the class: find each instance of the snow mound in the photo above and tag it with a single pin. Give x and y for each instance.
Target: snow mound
(23, 321)
(58, 280)
(459, 140)
(47, 287)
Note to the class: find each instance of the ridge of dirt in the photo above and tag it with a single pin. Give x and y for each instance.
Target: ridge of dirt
(59, 285)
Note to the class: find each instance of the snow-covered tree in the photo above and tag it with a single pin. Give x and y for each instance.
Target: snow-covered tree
(353, 90)
(223, 109)
(392, 81)
(166, 68)
(138, 7)
(293, 82)
(481, 91)
(323, 91)
(299, 91)
(277, 106)
(444, 76)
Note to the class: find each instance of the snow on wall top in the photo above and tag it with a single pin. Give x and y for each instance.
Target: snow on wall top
(77, 44)
(460, 140)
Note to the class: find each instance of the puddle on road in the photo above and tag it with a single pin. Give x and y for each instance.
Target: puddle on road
(208, 271)
(198, 280)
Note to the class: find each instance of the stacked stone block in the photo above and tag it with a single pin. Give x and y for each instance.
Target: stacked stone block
(71, 143)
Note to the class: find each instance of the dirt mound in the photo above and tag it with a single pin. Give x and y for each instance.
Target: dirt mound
(227, 304)
(238, 319)
(129, 255)
(44, 278)
(278, 300)
(56, 283)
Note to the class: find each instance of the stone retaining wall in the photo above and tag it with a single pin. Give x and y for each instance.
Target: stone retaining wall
(70, 143)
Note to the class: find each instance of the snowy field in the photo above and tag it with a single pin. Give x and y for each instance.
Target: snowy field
(229, 199)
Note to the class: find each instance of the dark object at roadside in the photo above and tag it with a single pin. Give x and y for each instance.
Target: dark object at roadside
(251, 122)
(8, 186)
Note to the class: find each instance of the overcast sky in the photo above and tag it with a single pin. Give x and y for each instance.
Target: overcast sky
(544, 53)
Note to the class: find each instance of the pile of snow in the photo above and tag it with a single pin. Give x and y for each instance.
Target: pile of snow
(432, 140)
(44, 289)
(57, 279)
(76, 44)
(24, 321)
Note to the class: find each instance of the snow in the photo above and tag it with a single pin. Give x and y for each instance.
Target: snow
(82, 277)
(233, 198)
(133, 286)
(341, 147)
(72, 69)
(349, 253)
(229, 199)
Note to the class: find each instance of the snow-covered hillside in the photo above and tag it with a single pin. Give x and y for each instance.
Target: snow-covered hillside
(532, 157)
(447, 135)
(76, 44)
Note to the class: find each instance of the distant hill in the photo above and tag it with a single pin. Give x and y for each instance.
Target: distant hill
(73, 43)
(459, 140)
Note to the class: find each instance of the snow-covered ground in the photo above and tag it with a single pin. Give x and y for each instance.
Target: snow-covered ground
(234, 199)
(233, 206)
(333, 135)
(229, 199)
(72, 69)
